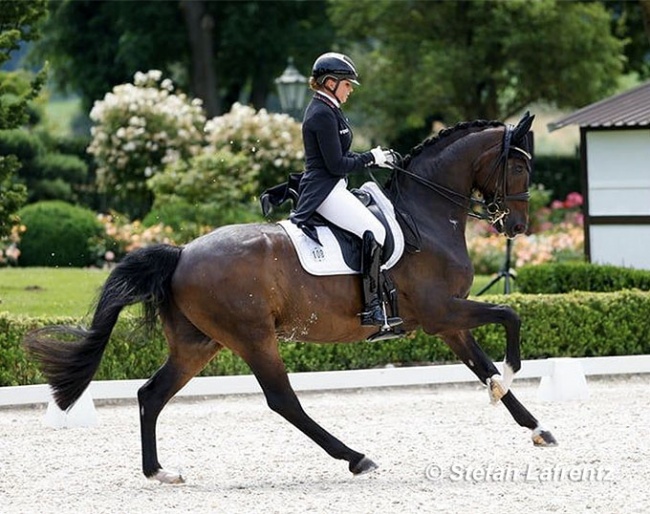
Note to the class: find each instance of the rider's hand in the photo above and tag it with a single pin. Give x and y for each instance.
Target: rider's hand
(383, 158)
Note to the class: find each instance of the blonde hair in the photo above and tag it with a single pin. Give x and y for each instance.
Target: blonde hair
(314, 85)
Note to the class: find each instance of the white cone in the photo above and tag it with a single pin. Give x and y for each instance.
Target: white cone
(81, 414)
(565, 381)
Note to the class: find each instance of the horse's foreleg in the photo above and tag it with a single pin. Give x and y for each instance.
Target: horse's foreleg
(281, 398)
(465, 346)
(462, 314)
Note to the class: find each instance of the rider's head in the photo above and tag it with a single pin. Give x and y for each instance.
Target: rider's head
(332, 69)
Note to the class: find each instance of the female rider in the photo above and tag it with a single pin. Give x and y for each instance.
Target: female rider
(327, 138)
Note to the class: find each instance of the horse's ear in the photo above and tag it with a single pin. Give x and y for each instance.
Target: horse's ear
(523, 127)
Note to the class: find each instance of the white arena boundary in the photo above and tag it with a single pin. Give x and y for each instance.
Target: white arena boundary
(332, 380)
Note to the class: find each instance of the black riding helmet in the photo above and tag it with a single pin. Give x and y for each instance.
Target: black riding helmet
(336, 66)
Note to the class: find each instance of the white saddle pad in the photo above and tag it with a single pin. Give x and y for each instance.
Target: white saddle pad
(328, 259)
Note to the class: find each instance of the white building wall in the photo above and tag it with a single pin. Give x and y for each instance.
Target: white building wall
(619, 185)
(621, 245)
(619, 172)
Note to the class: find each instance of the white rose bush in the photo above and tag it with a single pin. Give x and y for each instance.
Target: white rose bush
(138, 129)
(272, 141)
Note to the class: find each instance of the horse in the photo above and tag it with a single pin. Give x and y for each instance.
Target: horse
(242, 287)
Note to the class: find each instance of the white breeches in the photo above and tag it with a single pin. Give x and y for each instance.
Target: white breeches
(343, 209)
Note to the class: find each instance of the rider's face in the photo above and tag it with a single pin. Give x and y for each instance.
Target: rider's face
(343, 91)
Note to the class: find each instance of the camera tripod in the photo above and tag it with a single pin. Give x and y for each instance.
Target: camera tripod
(506, 272)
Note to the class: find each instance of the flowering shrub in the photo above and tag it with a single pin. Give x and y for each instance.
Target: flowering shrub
(138, 129)
(273, 142)
(558, 237)
(122, 236)
(9, 251)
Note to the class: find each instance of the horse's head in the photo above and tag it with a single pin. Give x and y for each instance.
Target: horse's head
(503, 178)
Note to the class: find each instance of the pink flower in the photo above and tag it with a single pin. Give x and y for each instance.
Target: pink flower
(557, 204)
(573, 200)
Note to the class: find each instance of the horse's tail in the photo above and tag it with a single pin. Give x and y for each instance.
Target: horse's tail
(143, 276)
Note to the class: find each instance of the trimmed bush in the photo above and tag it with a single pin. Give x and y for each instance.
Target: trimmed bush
(58, 234)
(573, 325)
(21, 143)
(561, 278)
(60, 166)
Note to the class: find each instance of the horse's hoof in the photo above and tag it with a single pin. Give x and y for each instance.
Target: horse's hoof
(496, 390)
(165, 477)
(365, 465)
(543, 438)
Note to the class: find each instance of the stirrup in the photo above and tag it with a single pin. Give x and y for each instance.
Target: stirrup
(377, 317)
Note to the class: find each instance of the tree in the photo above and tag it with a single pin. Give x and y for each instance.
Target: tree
(631, 23)
(224, 52)
(477, 59)
(645, 13)
(18, 22)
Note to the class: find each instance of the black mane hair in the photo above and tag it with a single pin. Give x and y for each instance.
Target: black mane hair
(445, 136)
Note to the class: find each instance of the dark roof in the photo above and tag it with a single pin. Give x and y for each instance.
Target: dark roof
(629, 109)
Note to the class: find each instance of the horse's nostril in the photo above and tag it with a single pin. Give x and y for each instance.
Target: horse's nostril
(519, 228)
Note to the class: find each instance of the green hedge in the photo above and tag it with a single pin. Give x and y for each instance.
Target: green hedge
(571, 325)
(559, 278)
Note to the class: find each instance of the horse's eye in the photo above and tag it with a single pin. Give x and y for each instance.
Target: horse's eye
(518, 169)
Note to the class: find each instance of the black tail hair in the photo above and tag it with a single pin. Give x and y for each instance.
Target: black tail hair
(143, 276)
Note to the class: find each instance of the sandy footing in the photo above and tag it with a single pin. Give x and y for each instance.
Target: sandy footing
(439, 449)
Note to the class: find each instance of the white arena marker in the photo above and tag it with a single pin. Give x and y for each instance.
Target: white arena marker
(565, 381)
(81, 414)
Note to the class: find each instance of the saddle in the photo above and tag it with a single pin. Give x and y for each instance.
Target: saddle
(326, 249)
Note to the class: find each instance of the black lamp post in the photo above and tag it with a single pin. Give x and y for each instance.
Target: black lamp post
(292, 87)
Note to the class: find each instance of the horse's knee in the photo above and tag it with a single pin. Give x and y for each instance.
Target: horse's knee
(283, 404)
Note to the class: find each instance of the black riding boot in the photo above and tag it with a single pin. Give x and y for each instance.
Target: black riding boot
(373, 314)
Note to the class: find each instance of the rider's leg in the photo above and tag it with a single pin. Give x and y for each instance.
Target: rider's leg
(343, 209)
(373, 313)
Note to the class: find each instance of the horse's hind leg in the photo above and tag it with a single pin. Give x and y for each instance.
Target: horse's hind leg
(465, 346)
(269, 369)
(190, 350)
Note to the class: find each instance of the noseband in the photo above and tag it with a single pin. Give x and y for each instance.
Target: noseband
(493, 210)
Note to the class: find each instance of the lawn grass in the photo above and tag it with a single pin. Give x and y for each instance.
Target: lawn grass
(49, 291)
(71, 291)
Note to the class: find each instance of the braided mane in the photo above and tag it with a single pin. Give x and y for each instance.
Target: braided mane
(444, 137)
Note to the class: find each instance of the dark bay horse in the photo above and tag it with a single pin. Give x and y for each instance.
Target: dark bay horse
(242, 287)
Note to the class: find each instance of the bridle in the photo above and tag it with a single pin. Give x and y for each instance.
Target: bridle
(494, 210)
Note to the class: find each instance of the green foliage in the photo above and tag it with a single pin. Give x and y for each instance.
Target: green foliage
(58, 234)
(18, 22)
(251, 42)
(559, 278)
(475, 59)
(573, 325)
(560, 175)
(20, 142)
(209, 190)
(57, 174)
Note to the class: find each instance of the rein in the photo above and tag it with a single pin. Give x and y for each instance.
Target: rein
(494, 211)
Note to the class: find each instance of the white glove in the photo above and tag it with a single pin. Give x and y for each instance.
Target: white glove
(383, 158)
